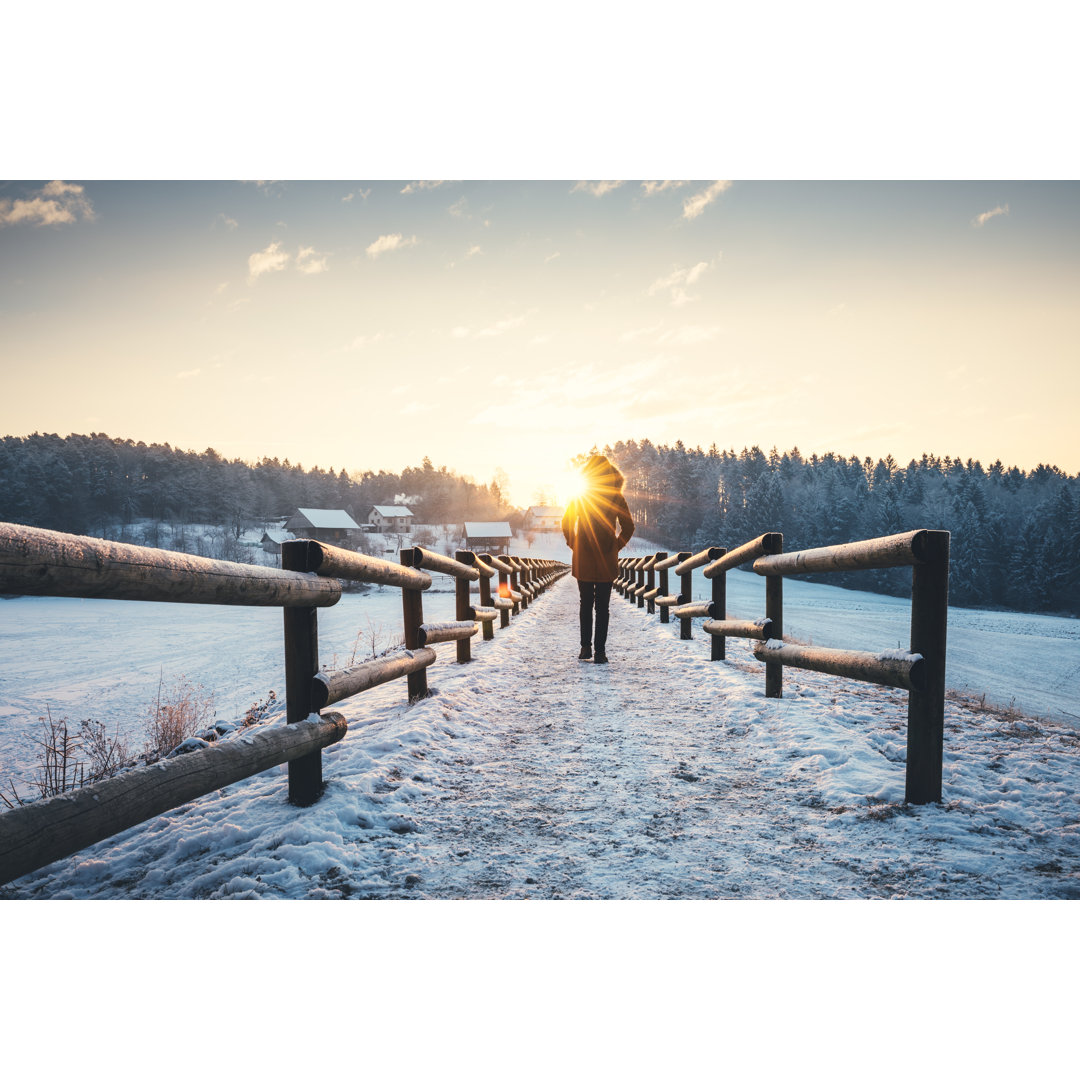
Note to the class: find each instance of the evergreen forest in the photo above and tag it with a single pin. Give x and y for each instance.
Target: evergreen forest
(1015, 535)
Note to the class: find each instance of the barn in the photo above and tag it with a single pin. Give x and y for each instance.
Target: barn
(330, 526)
(490, 536)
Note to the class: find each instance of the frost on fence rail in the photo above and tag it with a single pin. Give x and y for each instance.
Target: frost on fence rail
(40, 562)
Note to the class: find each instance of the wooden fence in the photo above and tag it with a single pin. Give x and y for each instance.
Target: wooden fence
(38, 562)
(920, 670)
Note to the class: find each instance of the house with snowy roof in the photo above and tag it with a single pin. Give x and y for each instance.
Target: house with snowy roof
(390, 518)
(272, 539)
(543, 519)
(331, 526)
(491, 536)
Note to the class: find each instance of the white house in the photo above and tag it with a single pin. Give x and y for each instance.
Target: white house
(543, 519)
(490, 536)
(390, 518)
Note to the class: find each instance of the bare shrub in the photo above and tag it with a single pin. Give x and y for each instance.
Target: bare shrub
(69, 759)
(179, 711)
(106, 754)
(59, 768)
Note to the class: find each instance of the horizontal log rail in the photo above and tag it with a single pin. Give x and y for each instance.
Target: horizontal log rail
(39, 562)
(694, 611)
(760, 629)
(471, 558)
(330, 687)
(431, 633)
(904, 672)
(920, 670)
(766, 544)
(39, 833)
(329, 561)
(708, 555)
(901, 549)
(429, 560)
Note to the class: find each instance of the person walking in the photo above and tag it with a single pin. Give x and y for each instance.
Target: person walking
(596, 526)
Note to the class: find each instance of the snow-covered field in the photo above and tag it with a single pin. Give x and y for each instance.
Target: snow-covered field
(530, 774)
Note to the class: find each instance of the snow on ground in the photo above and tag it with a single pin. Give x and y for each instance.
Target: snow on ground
(529, 774)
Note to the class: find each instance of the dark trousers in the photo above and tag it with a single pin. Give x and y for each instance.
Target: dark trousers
(594, 594)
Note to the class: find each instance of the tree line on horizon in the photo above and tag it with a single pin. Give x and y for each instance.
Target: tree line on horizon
(93, 484)
(1015, 534)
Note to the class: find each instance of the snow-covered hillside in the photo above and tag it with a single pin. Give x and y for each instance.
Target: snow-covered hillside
(531, 774)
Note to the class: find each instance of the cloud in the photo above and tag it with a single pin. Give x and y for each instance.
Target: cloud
(459, 209)
(352, 195)
(474, 250)
(496, 329)
(982, 219)
(270, 259)
(597, 187)
(500, 327)
(57, 203)
(553, 255)
(190, 374)
(657, 187)
(688, 335)
(633, 335)
(228, 222)
(421, 185)
(694, 205)
(310, 261)
(677, 282)
(363, 341)
(391, 242)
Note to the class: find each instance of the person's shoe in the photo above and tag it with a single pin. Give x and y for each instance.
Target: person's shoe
(600, 657)
(585, 654)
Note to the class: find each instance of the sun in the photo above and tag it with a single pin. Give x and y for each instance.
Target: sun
(570, 484)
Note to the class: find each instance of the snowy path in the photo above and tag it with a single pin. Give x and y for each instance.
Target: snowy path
(620, 781)
(529, 773)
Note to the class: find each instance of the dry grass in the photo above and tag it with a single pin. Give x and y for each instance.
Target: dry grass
(70, 759)
(179, 711)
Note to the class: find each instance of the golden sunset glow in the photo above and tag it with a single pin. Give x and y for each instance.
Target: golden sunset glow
(503, 328)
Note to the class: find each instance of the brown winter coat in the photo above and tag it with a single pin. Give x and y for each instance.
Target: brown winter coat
(597, 525)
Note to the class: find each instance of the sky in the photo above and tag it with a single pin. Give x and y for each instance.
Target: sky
(514, 324)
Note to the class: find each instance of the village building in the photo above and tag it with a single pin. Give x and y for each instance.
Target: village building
(489, 536)
(390, 518)
(543, 519)
(330, 526)
(272, 539)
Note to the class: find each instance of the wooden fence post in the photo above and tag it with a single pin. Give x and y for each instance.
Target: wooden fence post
(463, 609)
(504, 594)
(719, 600)
(926, 708)
(774, 610)
(487, 629)
(651, 584)
(660, 557)
(686, 593)
(412, 609)
(301, 666)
